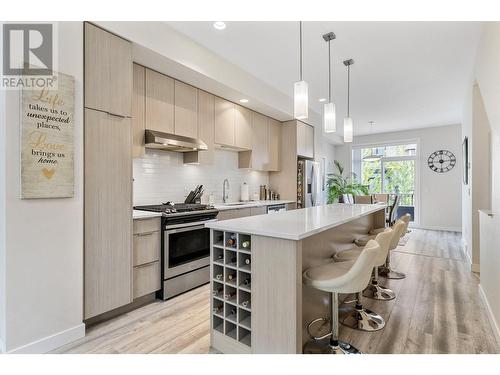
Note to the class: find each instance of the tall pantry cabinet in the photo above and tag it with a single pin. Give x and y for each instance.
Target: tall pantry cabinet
(108, 171)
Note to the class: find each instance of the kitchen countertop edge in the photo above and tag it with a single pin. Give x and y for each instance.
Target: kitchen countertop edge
(232, 225)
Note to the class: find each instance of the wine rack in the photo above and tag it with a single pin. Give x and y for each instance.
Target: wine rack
(231, 287)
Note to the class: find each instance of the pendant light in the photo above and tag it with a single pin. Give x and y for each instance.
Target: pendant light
(372, 156)
(348, 120)
(300, 89)
(329, 117)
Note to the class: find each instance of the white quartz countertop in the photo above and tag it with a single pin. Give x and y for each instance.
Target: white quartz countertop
(297, 224)
(137, 214)
(236, 205)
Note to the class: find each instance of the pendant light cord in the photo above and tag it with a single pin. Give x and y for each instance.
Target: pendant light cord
(300, 49)
(348, 90)
(329, 72)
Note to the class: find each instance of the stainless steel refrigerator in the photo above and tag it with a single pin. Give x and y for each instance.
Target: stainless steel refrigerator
(309, 185)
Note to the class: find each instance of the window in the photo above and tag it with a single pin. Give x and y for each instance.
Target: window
(389, 169)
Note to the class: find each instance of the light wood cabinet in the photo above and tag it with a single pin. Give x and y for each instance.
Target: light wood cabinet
(260, 156)
(206, 117)
(185, 110)
(146, 258)
(273, 145)
(108, 72)
(224, 122)
(147, 279)
(159, 102)
(242, 127)
(138, 110)
(258, 210)
(108, 212)
(305, 140)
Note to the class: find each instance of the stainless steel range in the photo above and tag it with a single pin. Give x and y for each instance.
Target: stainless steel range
(185, 245)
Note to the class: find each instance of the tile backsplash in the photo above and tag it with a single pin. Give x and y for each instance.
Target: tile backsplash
(161, 176)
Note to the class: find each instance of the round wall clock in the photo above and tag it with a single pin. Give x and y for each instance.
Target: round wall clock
(441, 161)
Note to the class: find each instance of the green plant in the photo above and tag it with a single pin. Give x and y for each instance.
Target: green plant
(339, 184)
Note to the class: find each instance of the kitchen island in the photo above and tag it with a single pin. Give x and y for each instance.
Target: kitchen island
(258, 302)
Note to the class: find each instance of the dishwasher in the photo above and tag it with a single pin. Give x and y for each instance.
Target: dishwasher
(276, 208)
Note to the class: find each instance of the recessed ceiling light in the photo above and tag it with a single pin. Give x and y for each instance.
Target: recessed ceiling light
(219, 25)
(321, 100)
(243, 100)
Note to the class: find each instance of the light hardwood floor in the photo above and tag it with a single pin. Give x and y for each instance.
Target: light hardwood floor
(437, 310)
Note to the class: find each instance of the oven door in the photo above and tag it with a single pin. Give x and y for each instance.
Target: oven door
(186, 248)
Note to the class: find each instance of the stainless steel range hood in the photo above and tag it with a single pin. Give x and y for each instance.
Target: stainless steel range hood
(172, 142)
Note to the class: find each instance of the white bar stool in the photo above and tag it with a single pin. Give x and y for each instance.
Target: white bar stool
(335, 278)
(358, 317)
(385, 270)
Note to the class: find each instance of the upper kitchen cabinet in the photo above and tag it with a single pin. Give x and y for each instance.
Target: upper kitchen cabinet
(224, 122)
(274, 144)
(185, 110)
(305, 140)
(108, 72)
(260, 154)
(206, 117)
(159, 102)
(138, 111)
(242, 127)
(266, 140)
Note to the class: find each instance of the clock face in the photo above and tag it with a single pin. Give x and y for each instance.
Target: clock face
(441, 161)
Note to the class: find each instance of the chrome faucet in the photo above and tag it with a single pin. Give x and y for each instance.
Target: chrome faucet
(225, 191)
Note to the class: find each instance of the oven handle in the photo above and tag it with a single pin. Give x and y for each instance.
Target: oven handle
(188, 226)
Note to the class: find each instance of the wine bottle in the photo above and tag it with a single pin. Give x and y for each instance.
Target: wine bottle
(233, 260)
(247, 261)
(245, 244)
(217, 309)
(228, 295)
(219, 276)
(217, 291)
(232, 311)
(231, 276)
(245, 303)
(247, 281)
(231, 241)
(220, 257)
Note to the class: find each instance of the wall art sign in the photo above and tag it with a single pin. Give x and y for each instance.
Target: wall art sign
(47, 140)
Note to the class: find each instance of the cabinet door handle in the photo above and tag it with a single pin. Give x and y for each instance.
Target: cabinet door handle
(145, 234)
(117, 115)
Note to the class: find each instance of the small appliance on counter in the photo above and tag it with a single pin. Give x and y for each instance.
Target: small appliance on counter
(244, 195)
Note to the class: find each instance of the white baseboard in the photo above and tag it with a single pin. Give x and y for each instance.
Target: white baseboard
(491, 317)
(51, 342)
(474, 267)
(430, 227)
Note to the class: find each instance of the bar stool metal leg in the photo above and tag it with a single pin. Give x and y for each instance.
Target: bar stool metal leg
(357, 317)
(388, 273)
(376, 291)
(330, 343)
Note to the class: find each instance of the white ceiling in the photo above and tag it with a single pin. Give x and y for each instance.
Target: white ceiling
(406, 75)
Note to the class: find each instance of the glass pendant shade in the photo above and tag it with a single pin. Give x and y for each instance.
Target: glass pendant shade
(329, 118)
(300, 100)
(348, 130)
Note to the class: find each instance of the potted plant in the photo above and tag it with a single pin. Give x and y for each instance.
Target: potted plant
(339, 184)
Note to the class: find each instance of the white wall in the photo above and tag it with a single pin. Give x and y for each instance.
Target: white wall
(487, 74)
(43, 251)
(3, 184)
(439, 195)
(161, 176)
(477, 194)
